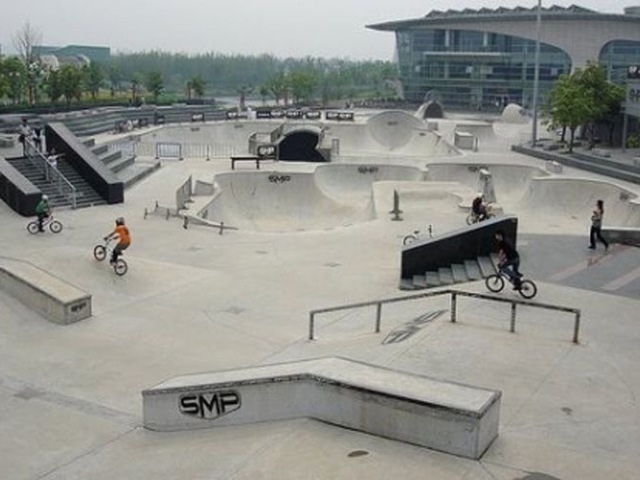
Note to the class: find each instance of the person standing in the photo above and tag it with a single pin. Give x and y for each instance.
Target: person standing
(596, 226)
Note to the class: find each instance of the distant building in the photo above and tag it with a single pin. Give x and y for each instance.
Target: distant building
(72, 54)
(484, 59)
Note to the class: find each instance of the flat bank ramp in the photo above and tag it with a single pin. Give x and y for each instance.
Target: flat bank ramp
(452, 418)
(52, 297)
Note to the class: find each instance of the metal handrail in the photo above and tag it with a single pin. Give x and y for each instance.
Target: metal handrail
(454, 294)
(37, 159)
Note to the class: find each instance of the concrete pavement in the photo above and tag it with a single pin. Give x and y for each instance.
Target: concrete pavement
(195, 301)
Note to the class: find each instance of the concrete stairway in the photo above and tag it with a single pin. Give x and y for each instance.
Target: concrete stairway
(86, 195)
(125, 166)
(468, 271)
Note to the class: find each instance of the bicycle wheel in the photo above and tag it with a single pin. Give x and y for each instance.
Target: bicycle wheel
(55, 226)
(100, 252)
(528, 289)
(494, 283)
(32, 228)
(120, 267)
(471, 219)
(409, 239)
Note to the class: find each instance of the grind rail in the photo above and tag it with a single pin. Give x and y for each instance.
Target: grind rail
(454, 315)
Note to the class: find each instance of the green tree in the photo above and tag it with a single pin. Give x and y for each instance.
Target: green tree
(606, 98)
(53, 86)
(277, 85)
(115, 77)
(154, 83)
(136, 83)
(94, 79)
(15, 75)
(196, 86)
(301, 85)
(70, 78)
(244, 91)
(570, 104)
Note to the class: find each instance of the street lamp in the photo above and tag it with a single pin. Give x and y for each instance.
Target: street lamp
(536, 74)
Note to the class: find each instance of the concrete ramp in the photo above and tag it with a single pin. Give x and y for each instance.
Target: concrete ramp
(577, 197)
(510, 181)
(352, 182)
(453, 418)
(280, 202)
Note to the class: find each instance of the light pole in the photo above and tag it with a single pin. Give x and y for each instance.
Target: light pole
(536, 74)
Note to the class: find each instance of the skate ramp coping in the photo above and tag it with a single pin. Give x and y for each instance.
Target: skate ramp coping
(450, 417)
(52, 297)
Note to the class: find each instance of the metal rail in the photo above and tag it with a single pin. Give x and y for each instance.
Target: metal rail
(38, 160)
(454, 305)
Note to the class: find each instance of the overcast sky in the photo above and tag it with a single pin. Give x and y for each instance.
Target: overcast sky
(296, 28)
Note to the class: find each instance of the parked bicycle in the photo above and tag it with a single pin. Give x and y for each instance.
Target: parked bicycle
(412, 237)
(100, 252)
(496, 282)
(54, 225)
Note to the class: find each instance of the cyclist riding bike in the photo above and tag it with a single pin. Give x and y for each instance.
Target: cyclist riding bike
(43, 210)
(121, 232)
(509, 260)
(479, 208)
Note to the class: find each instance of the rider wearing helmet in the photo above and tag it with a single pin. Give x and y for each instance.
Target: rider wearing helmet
(479, 207)
(124, 238)
(43, 210)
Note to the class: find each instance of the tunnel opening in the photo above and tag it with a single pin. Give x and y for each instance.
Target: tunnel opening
(300, 147)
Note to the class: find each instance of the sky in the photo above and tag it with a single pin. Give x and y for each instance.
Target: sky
(283, 28)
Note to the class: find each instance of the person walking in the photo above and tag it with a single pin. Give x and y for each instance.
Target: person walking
(596, 226)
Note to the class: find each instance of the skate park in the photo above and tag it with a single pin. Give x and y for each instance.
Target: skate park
(311, 235)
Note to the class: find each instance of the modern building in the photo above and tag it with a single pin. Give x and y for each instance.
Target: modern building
(74, 53)
(484, 59)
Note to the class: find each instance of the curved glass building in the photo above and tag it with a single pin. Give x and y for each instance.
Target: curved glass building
(483, 59)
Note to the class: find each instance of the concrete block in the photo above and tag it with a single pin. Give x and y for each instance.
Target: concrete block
(55, 299)
(553, 166)
(453, 418)
(465, 141)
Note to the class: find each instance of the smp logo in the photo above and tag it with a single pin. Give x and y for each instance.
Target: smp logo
(266, 151)
(209, 405)
(634, 95)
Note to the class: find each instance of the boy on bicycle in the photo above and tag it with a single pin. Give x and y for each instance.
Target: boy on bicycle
(124, 239)
(509, 259)
(43, 210)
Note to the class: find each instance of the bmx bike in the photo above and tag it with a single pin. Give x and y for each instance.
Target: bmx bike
(496, 282)
(412, 237)
(54, 225)
(475, 218)
(100, 252)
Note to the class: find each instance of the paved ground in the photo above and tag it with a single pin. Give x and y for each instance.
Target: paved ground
(195, 301)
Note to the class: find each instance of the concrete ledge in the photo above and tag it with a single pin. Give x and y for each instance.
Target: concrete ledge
(625, 235)
(453, 418)
(52, 297)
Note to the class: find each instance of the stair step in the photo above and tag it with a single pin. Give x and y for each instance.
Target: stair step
(110, 157)
(487, 266)
(472, 269)
(459, 273)
(121, 164)
(433, 279)
(446, 277)
(406, 284)
(100, 150)
(419, 281)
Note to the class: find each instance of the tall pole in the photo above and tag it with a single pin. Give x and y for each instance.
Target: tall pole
(536, 74)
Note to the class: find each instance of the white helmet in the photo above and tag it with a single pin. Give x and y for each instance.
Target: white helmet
(45, 197)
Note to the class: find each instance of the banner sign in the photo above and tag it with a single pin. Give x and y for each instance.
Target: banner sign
(267, 151)
(340, 116)
(235, 115)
